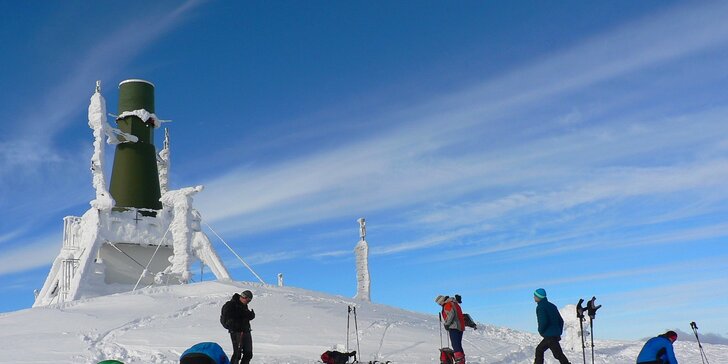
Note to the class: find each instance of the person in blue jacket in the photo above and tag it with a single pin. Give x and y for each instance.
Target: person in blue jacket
(550, 326)
(204, 353)
(658, 350)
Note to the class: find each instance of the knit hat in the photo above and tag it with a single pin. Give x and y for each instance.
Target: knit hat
(540, 293)
(671, 335)
(247, 294)
(440, 299)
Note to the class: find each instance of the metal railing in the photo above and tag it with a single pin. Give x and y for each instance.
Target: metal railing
(68, 270)
(70, 228)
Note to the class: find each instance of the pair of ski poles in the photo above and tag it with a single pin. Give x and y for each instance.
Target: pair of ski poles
(439, 314)
(351, 310)
(703, 357)
(591, 310)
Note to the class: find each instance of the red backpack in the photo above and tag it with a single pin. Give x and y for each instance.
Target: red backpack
(336, 357)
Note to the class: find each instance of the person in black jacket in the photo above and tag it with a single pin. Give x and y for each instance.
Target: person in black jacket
(236, 317)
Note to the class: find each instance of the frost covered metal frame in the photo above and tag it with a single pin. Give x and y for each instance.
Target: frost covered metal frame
(123, 241)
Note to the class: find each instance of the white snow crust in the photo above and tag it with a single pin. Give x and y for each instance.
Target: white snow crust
(292, 325)
(142, 114)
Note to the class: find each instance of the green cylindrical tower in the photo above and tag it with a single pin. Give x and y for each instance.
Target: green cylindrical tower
(134, 178)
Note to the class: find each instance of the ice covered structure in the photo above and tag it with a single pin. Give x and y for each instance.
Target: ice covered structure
(363, 281)
(134, 234)
(571, 339)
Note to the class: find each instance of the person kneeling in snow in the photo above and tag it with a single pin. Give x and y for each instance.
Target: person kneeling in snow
(658, 350)
(236, 318)
(454, 322)
(204, 353)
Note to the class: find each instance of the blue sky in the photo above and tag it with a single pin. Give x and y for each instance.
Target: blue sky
(493, 147)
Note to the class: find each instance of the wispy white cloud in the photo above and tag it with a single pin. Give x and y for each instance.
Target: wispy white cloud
(29, 154)
(261, 258)
(334, 254)
(649, 270)
(609, 184)
(582, 238)
(431, 240)
(433, 155)
(31, 253)
(105, 59)
(7, 236)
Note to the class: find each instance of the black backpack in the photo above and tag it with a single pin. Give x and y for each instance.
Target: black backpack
(223, 319)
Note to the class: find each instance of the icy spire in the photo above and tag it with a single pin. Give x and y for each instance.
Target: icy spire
(363, 283)
(97, 122)
(182, 216)
(163, 164)
(571, 338)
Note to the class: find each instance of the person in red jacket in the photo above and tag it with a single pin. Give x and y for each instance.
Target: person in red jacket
(454, 323)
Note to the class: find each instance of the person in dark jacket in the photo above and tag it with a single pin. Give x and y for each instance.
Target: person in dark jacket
(237, 316)
(550, 326)
(658, 350)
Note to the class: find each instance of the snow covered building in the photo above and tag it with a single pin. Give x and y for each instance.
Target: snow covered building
(137, 233)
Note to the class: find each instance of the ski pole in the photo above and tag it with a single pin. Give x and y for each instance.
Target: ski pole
(591, 330)
(439, 315)
(580, 316)
(448, 333)
(703, 357)
(448, 339)
(356, 327)
(592, 312)
(348, 314)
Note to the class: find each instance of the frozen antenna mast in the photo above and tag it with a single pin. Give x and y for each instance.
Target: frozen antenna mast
(134, 234)
(363, 283)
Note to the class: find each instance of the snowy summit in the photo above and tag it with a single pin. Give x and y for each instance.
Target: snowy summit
(157, 324)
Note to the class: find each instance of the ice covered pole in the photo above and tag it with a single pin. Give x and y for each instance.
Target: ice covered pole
(134, 178)
(163, 164)
(97, 122)
(362, 264)
(181, 203)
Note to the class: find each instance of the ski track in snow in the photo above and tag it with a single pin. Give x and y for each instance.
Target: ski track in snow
(378, 355)
(105, 345)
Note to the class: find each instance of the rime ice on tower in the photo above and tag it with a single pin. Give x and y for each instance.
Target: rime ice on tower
(135, 234)
(571, 338)
(363, 282)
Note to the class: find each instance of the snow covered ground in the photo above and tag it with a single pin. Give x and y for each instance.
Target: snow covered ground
(155, 325)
